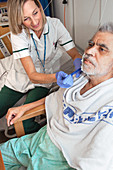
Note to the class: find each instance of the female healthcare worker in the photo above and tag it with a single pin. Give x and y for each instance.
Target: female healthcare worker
(34, 40)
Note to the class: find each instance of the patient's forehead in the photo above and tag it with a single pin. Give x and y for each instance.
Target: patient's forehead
(103, 38)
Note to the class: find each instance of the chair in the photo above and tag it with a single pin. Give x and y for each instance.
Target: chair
(35, 112)
(2, 167)
(27, 115)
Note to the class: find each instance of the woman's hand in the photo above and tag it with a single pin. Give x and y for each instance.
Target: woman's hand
(64, 80)
(14, 114)
(77, 64)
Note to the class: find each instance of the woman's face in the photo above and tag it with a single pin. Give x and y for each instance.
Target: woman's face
(32, 16)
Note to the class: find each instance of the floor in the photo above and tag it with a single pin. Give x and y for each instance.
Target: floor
(3, 138)
(4, 133)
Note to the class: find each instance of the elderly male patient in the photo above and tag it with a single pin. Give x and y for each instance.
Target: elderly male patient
(79, 131)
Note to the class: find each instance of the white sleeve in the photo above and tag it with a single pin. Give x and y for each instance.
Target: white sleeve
(64, 38)
(20, 45)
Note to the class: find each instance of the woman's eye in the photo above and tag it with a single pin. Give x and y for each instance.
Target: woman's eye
(25, 19)
(35, 13)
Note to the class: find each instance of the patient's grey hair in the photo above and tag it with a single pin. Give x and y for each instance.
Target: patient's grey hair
(107, 27)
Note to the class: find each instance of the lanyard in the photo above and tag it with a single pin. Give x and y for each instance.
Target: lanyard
(43, 63)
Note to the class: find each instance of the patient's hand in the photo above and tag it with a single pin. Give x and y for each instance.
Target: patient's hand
(13, 114)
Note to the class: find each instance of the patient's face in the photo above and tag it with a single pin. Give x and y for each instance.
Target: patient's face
(98, 57)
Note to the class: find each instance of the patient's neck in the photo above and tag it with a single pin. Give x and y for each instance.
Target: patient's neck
(86, 88)
(94, 81)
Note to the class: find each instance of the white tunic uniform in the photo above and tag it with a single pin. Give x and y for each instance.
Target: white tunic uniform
(56, 34)
(81, 126)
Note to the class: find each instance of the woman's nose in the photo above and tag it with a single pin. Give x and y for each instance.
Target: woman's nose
(33, 21)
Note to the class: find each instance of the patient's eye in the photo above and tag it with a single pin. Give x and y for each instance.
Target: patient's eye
(102, 49)
(90, 44)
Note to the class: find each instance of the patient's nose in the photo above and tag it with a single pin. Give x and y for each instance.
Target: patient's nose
(91, 50)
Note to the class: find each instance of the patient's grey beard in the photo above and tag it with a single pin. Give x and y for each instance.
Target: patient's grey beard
(94, 69)
(84, 66)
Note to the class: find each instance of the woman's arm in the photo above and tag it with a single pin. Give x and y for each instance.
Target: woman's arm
(15, 113)
(33, 75)
(76, 60)
(73, 53)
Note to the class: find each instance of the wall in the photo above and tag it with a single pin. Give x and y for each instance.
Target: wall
(83, 17)
(59, 13)
(58, 7)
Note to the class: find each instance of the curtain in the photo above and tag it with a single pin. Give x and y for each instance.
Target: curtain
(3, 0)
(44, 5)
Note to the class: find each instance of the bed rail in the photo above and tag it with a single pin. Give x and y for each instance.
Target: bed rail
(5, 45)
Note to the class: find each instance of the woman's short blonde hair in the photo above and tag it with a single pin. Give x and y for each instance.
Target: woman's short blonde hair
(15, 14)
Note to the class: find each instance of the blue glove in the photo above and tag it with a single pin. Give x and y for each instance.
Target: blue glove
(77, 64)
(64, 80)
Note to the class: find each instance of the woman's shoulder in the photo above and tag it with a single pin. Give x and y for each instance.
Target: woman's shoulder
(23, 34)
(52, 20)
